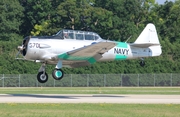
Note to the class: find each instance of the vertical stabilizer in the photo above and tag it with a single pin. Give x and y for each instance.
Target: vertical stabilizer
(148, 35)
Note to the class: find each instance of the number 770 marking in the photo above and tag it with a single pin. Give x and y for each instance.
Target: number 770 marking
(34, 45)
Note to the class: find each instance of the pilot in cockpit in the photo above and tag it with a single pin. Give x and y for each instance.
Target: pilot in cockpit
(66, 36)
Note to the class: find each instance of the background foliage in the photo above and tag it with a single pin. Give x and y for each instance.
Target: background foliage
(111, 19)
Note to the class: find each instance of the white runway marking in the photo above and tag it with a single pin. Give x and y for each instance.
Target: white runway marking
(89, 98)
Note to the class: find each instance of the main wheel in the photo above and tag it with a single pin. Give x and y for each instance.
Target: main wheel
(41, 77)
(57, 74)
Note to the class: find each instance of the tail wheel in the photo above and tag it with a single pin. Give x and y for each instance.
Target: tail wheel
(142, 63)
(57, 74)
(41, 77)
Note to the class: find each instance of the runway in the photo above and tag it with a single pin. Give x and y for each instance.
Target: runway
(89, 98)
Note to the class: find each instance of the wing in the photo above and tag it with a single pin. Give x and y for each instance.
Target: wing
(86, 55)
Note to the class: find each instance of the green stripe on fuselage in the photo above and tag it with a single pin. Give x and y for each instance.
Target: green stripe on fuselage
(122, 45)
(65, 56)
(121, 56)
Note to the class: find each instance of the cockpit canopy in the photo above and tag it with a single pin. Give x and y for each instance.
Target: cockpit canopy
(77, 35)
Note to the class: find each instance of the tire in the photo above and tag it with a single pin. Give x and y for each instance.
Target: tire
(142, 63)
(41, 78)
(57, 74)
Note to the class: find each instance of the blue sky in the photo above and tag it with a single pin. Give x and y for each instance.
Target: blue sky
(162, 1)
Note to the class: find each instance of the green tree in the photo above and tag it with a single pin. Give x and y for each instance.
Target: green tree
(10, 19)
(129, 16)
(112, 19)
(35, 12)
(79, 15)
(170, 18)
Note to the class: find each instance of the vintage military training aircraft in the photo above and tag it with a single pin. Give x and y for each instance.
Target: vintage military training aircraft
(72, 48)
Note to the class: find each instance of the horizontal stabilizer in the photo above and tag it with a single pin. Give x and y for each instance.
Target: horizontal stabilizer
(144, 45)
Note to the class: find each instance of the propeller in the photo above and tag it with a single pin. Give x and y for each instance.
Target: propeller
(23, 48)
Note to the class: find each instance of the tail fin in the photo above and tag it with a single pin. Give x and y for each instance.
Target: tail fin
(148, 35)
(149, 39)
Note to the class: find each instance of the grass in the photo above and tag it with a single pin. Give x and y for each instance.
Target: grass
(88, 109)
(92, 90)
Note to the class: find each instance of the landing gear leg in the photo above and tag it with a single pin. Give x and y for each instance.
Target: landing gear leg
(42, 76)
(57, 72)
(142, 63)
